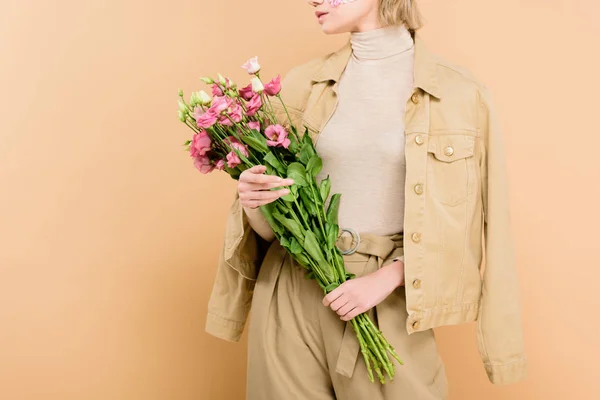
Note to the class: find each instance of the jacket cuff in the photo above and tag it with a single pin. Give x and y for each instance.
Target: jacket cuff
(223, 328)
(504, 374)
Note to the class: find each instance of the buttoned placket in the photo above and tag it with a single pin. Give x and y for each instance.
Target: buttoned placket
(416, 122)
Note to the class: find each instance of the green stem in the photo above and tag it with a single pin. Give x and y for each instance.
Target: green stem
(363, 349)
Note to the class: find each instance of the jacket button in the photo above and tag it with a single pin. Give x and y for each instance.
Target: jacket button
(416, 324)
(419, 140)
(449, 151)
(419, 188)
(416, 237)
(417, 283)
(414, 98)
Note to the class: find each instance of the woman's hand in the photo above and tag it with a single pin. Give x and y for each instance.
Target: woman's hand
(254, 187)
(359, 295)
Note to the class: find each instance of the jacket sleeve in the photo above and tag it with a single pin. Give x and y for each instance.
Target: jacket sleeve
(499, 324)
(241, 256)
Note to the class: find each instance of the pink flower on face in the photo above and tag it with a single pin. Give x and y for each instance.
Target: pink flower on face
(207, 119)
(253, 105)
(246, 92)
(220, 165)
(216, 90)
(203, 164)
(201, 143)
(277, 135)
(274, 87)
(254, 125)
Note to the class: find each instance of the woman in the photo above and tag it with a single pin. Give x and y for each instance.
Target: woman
(412, 143)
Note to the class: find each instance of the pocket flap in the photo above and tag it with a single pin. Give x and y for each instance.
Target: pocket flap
(451, 147)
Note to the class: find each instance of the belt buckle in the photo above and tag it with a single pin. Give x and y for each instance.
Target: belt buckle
(354, 235)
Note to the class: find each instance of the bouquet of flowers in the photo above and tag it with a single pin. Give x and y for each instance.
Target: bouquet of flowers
(236, 129)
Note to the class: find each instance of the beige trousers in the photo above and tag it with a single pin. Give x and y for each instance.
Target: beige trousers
(298, 349)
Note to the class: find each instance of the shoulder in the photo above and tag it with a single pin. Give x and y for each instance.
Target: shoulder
(458, 81)
(297, 82)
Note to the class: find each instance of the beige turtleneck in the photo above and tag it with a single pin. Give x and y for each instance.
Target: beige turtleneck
(362, 145)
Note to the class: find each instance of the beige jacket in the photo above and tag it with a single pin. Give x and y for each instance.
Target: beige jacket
(457, 211)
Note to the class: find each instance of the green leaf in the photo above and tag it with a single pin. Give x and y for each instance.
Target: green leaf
(295, 246)
(314, 166)
(268, 210)
(255, 143)
(324, 188)
(290, 197)
(332, 234)
(308, 202)
(332, 210)
(271, 159)
(297, 172)
(285, 242)
(331, 287)
(317, 231)
(311, 245)
(291, 226)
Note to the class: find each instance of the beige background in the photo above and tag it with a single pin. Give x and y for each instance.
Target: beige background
(109, 238)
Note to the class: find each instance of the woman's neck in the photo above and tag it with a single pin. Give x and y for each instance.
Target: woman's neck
(381, 43)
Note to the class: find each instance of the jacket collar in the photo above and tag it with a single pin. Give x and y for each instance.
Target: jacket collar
(425, 66)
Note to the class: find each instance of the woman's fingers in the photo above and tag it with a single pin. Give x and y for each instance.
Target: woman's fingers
(259, 198)
(339, 303)
(353, 313)
(345, 309)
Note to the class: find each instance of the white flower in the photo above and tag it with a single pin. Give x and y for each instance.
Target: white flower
(203, 97)
(252, 66)
(257, 85)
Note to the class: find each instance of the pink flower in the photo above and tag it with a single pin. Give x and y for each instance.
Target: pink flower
(203, 164)
(220, 104)
(236, 113)
(207, 119)
(201, 143)
(246, 92)
(232, 158)
(274, 87)
(220, 165)
(216, 90)
(253, 105)
(254, 125)
(278, 136)
(252, 66)
(198, 112)
(223, 120)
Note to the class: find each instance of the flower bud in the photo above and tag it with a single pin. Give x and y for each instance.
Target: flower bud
(203, 97)
(257, 85)
(180, 93)
(181, 116)
(193, 100)
(207, 80)
(222, 80)
(182, 107)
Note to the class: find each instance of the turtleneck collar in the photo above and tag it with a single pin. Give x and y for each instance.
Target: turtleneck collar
(381, 43)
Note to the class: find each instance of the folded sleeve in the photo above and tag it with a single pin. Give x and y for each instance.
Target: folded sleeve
(240, 259)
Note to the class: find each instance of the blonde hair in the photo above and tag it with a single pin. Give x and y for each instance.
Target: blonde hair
(394, 12)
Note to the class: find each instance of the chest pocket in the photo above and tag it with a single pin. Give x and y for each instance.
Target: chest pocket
(450, 167)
